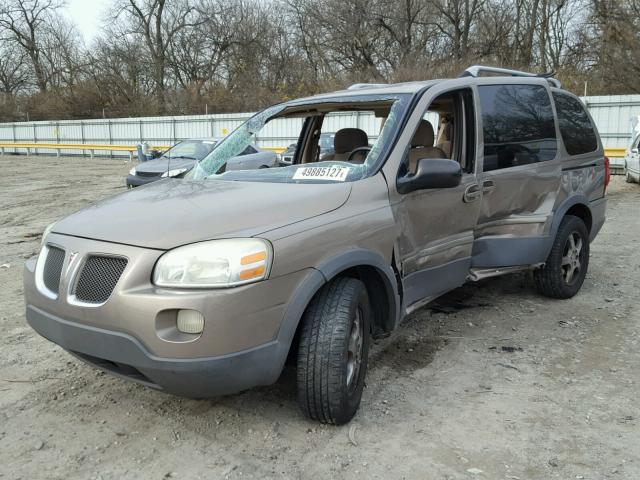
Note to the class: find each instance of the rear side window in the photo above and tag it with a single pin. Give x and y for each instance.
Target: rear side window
(576, 128)
(518, 125)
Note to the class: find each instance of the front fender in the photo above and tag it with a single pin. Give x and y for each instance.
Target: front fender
(359, 257)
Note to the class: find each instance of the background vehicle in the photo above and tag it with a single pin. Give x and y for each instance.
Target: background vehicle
(181, 158)
(286, 157)
(326, 144)
(235, 271)
(632, 161)
(325, 148)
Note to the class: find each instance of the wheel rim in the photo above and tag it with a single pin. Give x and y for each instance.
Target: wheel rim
(354, 349)
(572, 258)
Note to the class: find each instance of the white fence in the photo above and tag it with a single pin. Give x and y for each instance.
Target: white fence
(168, 130)
(615, 116)
(612, 114)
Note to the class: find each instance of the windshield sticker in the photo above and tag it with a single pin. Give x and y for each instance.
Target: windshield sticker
(334, 173)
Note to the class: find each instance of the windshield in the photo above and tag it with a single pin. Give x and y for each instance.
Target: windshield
(190, 149)
(364, 126)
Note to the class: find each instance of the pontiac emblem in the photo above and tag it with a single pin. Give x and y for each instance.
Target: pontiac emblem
(72, 257)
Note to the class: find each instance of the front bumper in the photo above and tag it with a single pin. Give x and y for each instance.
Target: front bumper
(123, 355)
(246, 338)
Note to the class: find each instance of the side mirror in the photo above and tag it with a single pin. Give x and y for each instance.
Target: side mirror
(431, 173)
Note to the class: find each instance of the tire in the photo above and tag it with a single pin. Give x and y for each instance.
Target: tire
(628, 178)
(330, 379)
(563, 273)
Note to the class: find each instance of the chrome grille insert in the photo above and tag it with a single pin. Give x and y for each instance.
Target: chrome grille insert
(98, 277)
(53, 268)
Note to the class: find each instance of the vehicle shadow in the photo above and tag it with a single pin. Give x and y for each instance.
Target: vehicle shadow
(415, 343)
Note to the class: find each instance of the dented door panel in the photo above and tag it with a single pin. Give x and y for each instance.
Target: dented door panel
(521, 203)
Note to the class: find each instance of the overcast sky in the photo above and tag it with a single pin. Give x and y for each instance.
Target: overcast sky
(87, 15)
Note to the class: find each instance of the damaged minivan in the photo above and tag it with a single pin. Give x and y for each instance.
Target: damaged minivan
(232, 272)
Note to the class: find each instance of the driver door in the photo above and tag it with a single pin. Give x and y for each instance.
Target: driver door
(435, 240)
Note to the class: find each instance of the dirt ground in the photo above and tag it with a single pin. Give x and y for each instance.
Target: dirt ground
(492, 381)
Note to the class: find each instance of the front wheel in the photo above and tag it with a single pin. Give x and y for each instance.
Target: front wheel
(628, 178)
(563, 273)
(333, 350)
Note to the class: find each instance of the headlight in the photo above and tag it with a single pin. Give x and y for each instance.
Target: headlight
(46, 231)
(214, 264)
(173, 173)
(132, 171)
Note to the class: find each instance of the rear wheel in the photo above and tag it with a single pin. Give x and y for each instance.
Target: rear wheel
(333, 350)
(567, 264)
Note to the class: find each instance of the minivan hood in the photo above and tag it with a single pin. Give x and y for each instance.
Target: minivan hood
(173, 212)
(163, 164)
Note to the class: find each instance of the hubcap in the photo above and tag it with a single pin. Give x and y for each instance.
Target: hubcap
(572, 258)
(354, 350)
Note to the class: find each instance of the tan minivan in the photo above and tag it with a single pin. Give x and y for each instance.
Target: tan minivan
(205, 285)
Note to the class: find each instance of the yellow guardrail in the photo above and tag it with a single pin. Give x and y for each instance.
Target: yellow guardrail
(615, 152)
(274, 149)
(92, 147)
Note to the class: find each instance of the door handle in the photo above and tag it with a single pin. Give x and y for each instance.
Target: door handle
(488, 186)
(472, 193)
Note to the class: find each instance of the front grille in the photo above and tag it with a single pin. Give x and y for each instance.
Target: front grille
(53, 268)
(98, 278)
(148, 174)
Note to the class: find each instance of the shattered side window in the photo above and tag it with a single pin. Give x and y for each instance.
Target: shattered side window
(334, 165)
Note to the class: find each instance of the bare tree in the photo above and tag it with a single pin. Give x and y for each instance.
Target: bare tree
(24, 21)
(178, 55)
(14, 76)
(157, 22)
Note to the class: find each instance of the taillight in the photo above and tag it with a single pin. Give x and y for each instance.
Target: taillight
(607, 173)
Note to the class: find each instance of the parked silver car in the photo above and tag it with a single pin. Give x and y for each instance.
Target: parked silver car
(325, 147)
(233, 272)
(632, 161)
(181, 158)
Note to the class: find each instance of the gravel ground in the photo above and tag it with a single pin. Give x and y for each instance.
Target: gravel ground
(492, 381)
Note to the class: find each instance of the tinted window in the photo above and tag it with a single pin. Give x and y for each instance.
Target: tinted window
(518, 125)
(575, 126)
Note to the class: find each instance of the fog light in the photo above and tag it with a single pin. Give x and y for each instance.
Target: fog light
(190, 321)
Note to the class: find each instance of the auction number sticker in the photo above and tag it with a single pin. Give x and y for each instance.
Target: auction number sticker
(337, 174)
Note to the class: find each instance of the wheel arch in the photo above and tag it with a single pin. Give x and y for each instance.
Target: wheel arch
(366, 265)
(378, 277)
(578, 206)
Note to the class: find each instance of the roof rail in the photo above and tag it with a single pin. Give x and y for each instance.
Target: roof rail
(476, 70)
(359, 86)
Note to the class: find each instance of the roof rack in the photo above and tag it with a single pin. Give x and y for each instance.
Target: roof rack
(476, 70)
(359, 86)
